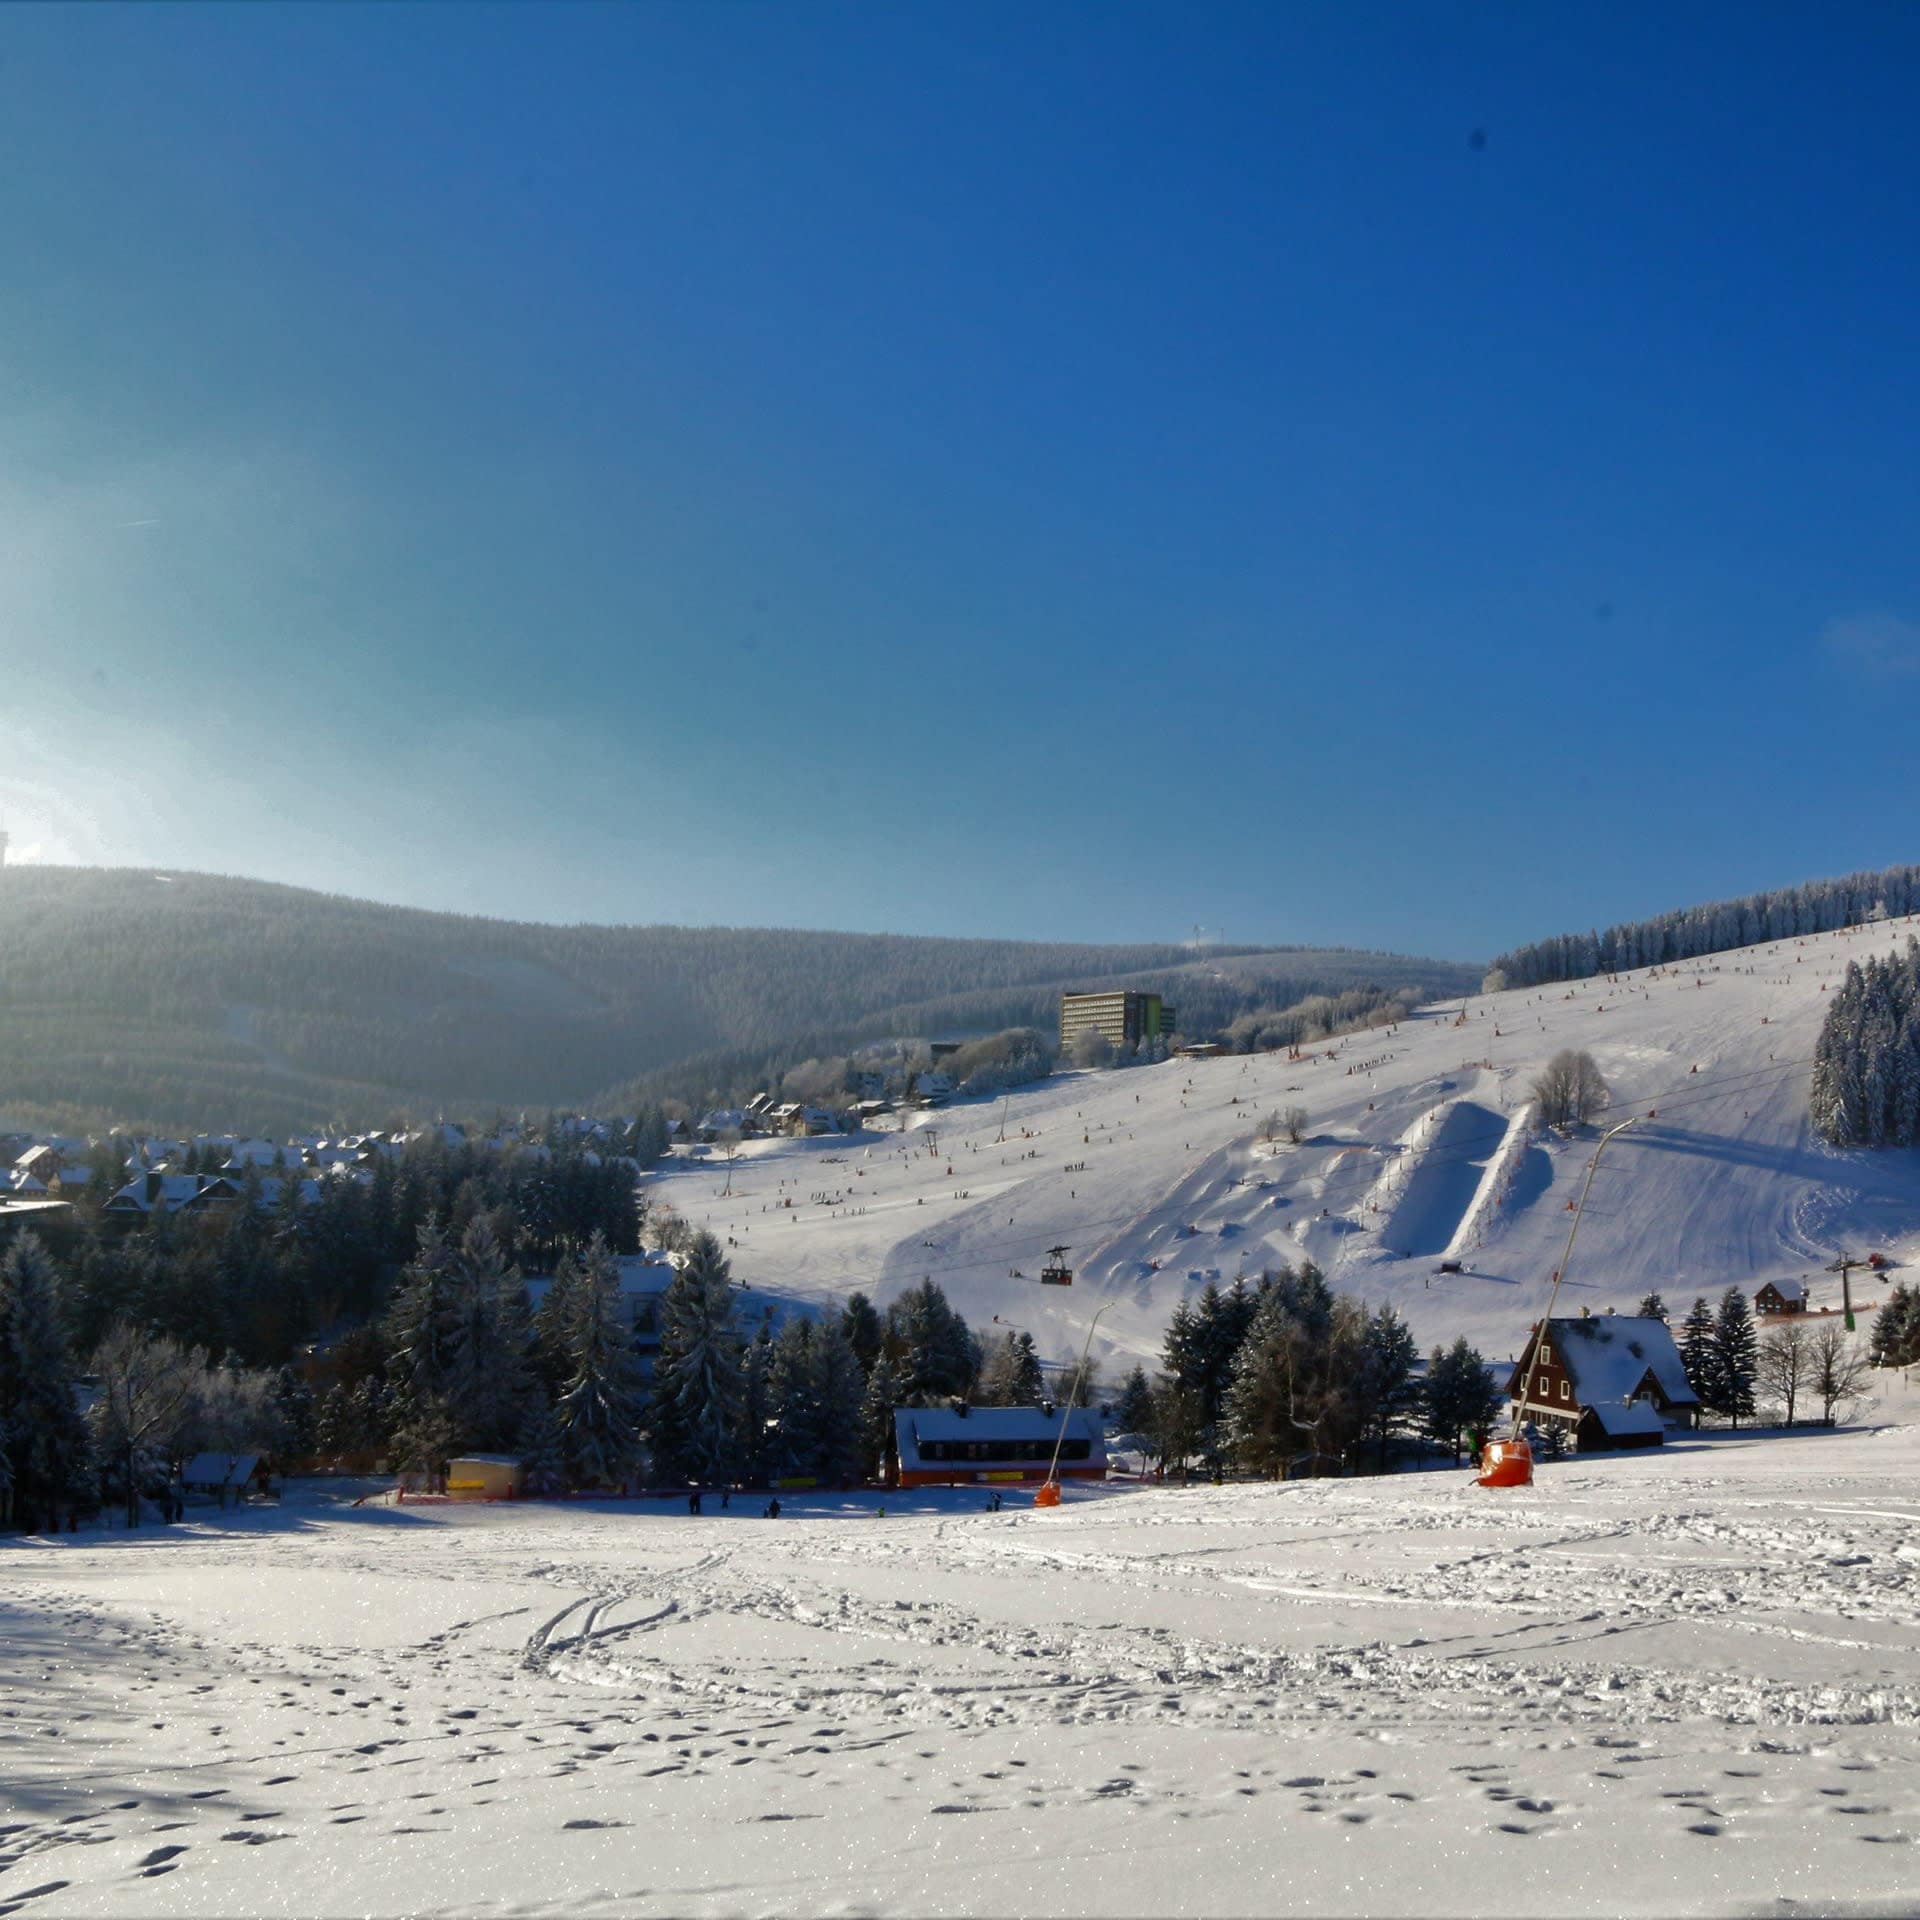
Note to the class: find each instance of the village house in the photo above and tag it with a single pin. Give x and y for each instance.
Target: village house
(1780, 1296)
(154, 1193)
(1612, 1381)
(959, 1445)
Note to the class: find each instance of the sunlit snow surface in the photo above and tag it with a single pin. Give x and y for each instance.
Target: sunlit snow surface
(1724, 1184)
(1685, 1682)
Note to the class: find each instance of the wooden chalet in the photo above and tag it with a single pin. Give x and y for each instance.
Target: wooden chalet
(1611, 1380)
(1780, 1296)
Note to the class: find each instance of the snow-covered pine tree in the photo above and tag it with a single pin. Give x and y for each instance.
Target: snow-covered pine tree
(886, 1387)
(598, 1411)
(1458, 1398)
(488, 1374)
(861, 1324)
(839, 1391)
(1010, 1374)
(47, 1450)
(793, 1408)
(1134, 1407)
(933, 1346)
(1894, 1340)
(1652, 1307)
(698, 1377)
(541, 1447)
(1699, 1355)
(1736, 1355)
(754, 1446)
(421, 1332)
(1389, 1387)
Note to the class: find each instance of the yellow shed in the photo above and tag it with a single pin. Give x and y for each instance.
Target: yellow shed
(485, 1476)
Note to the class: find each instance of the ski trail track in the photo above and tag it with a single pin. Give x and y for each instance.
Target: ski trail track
(1693, 1681)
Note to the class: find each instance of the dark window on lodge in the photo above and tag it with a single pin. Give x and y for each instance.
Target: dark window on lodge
(1003, 1452)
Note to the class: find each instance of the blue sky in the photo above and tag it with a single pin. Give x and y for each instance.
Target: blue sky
(1416, 476)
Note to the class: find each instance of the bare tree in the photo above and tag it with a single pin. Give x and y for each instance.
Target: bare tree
(1570, 1089)
(1293, 1122)
(149, 1391)
(1838, 1370)
(1785, 1365)
(1090, 1048)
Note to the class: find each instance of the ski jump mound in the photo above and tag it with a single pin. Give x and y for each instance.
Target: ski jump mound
(1430, 1191)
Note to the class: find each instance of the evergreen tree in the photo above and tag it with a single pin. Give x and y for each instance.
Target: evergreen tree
(1652, 1307)
(1460, 1397)
(1135, 1406)
(488, 1376)
(861, 1324)
(793, 1404)
(698, 1377)
(421, 1332)
(542, 1448)
(933, 1348)
(1736, 1355)
(754, 1449)
(598, 1411)
(839, 1394)
(886, 1391)
(1895, 1337)
(1010, 1375)
(47, 1449)
(1700, 1355)
(1389, 1386)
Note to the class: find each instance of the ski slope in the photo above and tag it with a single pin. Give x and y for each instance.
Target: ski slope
(1155, 1180)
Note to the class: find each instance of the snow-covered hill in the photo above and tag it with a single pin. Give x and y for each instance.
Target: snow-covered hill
(1156, 1181)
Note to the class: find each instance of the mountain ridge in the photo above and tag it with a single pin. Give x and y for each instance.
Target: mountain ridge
(174, 998)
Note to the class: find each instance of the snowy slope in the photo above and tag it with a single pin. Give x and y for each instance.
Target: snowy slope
(1154, 1179)
(1675, 1683)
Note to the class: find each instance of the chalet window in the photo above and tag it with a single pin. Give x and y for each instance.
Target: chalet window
(1566, 1391)
(1546, 1352)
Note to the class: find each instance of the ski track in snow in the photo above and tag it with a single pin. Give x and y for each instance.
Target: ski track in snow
(1693, 1679)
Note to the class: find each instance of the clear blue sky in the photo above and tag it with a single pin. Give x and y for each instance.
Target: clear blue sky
(1410, 475)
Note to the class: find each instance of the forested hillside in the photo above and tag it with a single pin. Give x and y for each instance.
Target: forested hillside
(1781, 913)
(191, 1000)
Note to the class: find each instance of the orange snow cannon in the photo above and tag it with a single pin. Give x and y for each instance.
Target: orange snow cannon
(1506, 1463)
(1047, 1494)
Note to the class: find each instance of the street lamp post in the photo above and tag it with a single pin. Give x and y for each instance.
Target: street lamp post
(1049, 1492)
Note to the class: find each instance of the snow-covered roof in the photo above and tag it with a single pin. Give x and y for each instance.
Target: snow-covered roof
(1623, 1417)
(1787, 1289)
(218, 1469)
(1609, 1356)
(915, 1428)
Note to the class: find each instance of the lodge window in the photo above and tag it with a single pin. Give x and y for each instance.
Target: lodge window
(1003, 1452)
(1566, 1391)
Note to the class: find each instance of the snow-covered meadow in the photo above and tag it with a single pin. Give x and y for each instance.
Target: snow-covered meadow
(1685, 1682)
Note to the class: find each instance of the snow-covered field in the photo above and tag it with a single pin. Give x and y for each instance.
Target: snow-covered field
(1685, 1682)
(1155, 1180)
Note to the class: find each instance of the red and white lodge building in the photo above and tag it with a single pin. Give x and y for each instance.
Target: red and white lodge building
(957, 1446)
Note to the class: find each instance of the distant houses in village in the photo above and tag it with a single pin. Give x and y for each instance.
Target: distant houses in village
(142, 1176)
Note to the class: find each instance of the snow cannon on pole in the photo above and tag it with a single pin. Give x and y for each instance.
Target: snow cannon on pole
(1047, 1494)
(1509, 1463)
